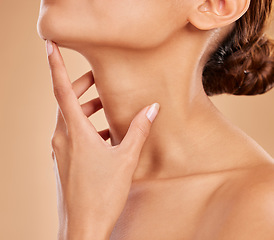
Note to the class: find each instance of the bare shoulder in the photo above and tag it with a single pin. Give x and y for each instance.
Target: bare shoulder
(250, 214)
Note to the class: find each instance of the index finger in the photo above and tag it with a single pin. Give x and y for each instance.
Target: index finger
(62, 87)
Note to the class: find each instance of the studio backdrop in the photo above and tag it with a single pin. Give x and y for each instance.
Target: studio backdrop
(28, 208)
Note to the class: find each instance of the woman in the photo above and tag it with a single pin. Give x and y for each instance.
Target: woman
(189, 174)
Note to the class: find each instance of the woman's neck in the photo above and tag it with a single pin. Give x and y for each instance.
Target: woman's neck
(187, 135)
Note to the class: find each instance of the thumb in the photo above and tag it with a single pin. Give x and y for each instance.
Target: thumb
(139, 130)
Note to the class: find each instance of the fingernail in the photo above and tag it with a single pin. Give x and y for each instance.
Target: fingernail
(49, 47)
(153, 111)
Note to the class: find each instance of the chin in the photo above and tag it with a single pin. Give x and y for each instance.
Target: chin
(49, 26)
(42, 29)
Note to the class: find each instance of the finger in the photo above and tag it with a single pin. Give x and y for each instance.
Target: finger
(63, 91)
(91, 106)
(79, 86)
(82, 84)
(139, 130)
(105, 134)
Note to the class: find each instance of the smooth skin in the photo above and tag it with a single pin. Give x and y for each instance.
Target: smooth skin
(93, 177)
(197, 176)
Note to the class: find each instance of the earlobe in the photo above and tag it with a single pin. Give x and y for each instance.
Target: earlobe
(210, 14)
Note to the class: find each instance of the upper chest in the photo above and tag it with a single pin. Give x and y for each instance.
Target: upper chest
(167, 209)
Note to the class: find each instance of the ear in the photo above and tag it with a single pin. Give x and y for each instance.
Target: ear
(209, 14)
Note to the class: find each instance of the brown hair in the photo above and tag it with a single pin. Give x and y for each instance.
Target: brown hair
(243, 64)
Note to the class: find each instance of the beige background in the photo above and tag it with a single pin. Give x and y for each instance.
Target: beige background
(27, 187)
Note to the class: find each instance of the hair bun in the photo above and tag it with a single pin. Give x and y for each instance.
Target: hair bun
(259, 68)
(244, 62)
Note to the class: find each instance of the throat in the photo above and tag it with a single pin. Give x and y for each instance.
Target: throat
(189, 135)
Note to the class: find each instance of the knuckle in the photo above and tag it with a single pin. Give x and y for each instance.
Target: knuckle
(59, 91)
(57, 65)
(141, 128)
(57, 141)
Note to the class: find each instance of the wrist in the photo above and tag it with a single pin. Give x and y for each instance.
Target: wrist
(82, 232)
(87, 235)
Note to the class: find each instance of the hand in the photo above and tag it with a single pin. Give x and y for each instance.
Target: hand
(93, 178)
